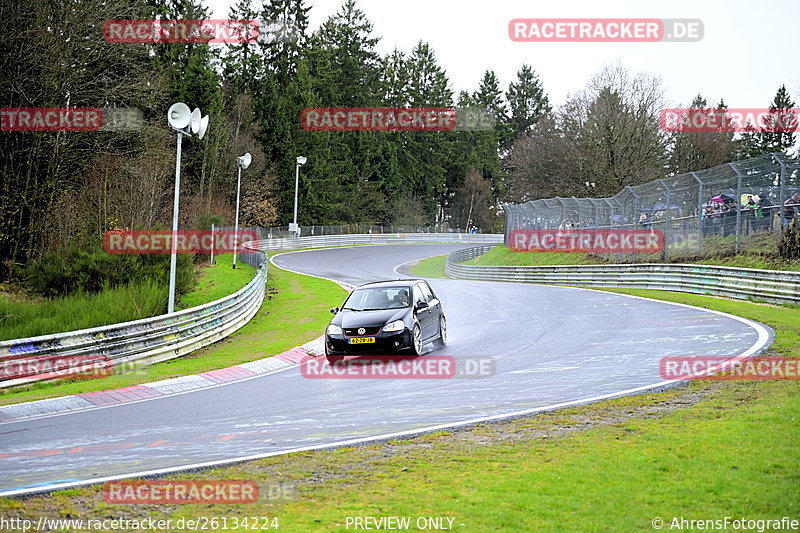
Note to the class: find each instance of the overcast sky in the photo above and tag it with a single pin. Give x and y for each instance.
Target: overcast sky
(749, 49)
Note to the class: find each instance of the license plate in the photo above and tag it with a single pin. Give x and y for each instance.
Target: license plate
(362, 340)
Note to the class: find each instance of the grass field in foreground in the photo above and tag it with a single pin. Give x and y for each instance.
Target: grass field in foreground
(704, 451)
(295, 311)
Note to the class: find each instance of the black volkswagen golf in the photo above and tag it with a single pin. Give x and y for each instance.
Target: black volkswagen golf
(386, 316)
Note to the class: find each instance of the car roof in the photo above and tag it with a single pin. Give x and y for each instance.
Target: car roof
(391, 283)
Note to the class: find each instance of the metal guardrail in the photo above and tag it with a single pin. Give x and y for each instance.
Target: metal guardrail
(775, 286)
(323, 241)
(148, 340)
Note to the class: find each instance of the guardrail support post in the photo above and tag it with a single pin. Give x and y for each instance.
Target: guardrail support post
(782, 189)
(701, 204)
(667, 220)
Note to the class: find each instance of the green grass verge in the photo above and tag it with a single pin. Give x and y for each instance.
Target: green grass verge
(433, 267)
(611, 466)
(500, 255)
(295, 311)
(24, 316)
(751, 261)
(217, 281)
(20, 318)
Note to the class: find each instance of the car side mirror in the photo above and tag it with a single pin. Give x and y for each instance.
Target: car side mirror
(335, 310)
(421, 306)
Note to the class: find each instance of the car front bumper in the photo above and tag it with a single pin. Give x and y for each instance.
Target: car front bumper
(384, 343)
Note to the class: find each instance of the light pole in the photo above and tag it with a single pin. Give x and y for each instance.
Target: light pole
(182, 121)
(301, 160)
(242, 162)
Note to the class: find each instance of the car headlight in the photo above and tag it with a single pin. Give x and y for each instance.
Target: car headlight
(333, 329)
(397, 325)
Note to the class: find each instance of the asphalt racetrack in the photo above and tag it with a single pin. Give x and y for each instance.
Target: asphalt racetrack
(548, 346)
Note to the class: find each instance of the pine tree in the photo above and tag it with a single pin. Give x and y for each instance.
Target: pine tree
(489, 97)
(243, 63)
(340, 183)
(286, 24)
(758, 140)
(691, 151)
(426, 155)
(527, 103)
(783, 120)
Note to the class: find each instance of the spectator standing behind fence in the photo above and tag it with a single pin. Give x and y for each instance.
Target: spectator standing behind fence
(750, 206)
(645, 220)
(767, 206)
(790, 209)
(707, 219)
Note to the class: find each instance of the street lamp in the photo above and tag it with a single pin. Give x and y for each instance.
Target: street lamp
(182, 121)
(242, 162)
(301, 160)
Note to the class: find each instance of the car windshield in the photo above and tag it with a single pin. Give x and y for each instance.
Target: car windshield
(375, 298)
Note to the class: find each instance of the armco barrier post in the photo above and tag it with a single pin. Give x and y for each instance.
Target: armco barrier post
(738, 205)
(701, 205)
(782, 189)
(667, 220)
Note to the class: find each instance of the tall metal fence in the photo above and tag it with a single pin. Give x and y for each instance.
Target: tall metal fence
(699, 212)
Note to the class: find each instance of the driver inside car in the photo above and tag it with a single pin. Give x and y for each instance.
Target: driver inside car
(402, 298)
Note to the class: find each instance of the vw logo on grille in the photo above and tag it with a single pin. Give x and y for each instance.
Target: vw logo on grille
(361, 331)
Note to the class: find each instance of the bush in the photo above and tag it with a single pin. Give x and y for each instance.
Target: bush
(789, 247)
(89, 269)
